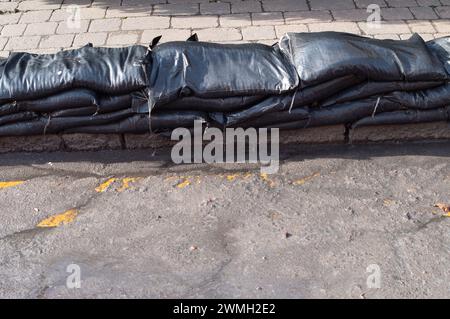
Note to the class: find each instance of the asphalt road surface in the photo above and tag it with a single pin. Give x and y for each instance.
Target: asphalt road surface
(334, 222)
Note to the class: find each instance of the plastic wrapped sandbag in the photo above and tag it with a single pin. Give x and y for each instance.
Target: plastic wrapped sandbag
(81, 111)
(211, 70)
(427, 99)
(105, 70)
(271, 104)
(227, 104)
(344, 113)
(136, 124)
(406, 117)
(322, 56)
(139, 123)
(367, 89)
(441, 49)
(45, 125)
(108, 103)
(65, 100)
(302, 97)
(9, 108)
(17, 117)
(136, 100)
(277, 117)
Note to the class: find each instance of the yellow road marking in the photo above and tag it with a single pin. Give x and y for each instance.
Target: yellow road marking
(445, 208)
(56, 220)
(266, 178)
(184, 183)
(232, 177)
(126, 183)
(104, 186)
(305, 179)
(10, 184)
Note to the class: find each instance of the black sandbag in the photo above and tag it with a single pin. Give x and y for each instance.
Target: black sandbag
(351, 111)
(269, 105)
(26, 128)
(136, 124)
(228, 104)
(290, 125)
(441, 49)
(44, 125)
(139, 123)
(406, 117)
(106, 70)
(108, 103)
(65, 100)
(81, 111)
(135, 100)
(426, 99)
(139, 103)
(322, 56)
(17, 117)
(367, 89)
(301, 97)
(9, 108)
(344, 113)
(212, 70)
(277, 117)
(314, 94)
(170, 120)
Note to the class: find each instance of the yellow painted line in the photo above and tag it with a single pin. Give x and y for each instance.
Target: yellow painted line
(10, 184)
(247, 175)
(126, 183)
(232, 177)
(184, 183)
(104, 186)
(305, 179)
(266, 178)
(445, 208)
(56, 220)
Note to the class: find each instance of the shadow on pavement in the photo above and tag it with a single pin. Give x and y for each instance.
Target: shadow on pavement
(288, 153)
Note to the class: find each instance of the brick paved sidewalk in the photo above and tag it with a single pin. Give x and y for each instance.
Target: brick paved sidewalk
(43, 26)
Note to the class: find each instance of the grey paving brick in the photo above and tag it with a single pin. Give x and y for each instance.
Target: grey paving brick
(22, 43)
(258, 33)
(57, 41)
(141, 23)
(285, 5)
(12, 30)
(101, 25)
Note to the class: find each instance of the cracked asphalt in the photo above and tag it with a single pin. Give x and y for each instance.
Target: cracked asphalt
(140, 226)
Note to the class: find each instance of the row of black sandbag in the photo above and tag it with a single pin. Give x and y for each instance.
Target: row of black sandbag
(358, 101)
(339, 78)
(85, 111)
(54, 92)
(313, 77)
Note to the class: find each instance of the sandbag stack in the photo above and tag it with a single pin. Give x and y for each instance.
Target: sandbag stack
(305, 80)
(88, 90)
(352, 80)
